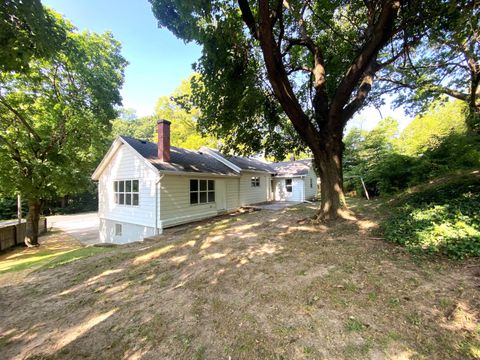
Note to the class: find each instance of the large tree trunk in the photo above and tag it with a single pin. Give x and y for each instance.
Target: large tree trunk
(328, 160)
(33, 218)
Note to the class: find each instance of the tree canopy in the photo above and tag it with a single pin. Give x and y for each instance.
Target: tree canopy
(27, 30)
(54, 118)
(176, 108)
(445, 62)
(270, 67)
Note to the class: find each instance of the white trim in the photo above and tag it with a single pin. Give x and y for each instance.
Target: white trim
(106, 159)
(118, 142)
(220, 158)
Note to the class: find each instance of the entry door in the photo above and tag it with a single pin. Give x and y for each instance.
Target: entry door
(220, 194)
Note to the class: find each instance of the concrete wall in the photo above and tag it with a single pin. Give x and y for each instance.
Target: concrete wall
(130, 232)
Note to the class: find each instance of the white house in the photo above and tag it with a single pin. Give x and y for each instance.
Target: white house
(146, 187)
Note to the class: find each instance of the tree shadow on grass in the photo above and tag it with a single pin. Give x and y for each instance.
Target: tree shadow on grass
(255, 286)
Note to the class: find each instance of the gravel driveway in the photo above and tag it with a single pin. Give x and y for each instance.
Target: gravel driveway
(83, 227)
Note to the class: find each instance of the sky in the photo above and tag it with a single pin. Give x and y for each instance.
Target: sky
(158, 61)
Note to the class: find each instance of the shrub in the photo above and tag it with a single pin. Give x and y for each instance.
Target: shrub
(442, 219)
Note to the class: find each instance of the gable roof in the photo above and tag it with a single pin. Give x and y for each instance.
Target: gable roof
(292, 168)
(181, 160)
(245, 163)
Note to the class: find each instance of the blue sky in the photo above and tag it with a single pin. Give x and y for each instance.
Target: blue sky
(158, 60)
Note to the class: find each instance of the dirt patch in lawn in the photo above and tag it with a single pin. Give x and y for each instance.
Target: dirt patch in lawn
(254, 286)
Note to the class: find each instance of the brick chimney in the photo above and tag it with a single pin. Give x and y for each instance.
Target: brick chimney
(163, 129)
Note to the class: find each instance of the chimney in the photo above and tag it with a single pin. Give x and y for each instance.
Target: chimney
(163, 129)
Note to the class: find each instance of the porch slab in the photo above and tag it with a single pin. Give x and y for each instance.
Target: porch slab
(275, 205)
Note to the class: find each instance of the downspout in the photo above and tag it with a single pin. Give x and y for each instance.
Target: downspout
(157, 205)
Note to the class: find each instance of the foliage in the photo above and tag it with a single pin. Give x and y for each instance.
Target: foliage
(27, 31)
(8, 208)
(184, 128)
(441, 219)
(433, 144)
(185, 132)
(54, 119)
(365, 153)
(427, 129)
(446, 62)
(138, 128)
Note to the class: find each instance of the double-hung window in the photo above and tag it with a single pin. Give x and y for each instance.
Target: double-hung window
(126, 192)
(255, 181)
(202, 191)
(288, 185)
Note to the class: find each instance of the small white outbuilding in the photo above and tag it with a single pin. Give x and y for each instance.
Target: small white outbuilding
(294, 181)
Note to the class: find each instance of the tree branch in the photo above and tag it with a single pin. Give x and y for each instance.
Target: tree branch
(248, 17)
(21, 118)
(279, 79)
(381, 31)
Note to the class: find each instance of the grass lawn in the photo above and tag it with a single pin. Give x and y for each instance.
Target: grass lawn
(56, 249)
(261, 285)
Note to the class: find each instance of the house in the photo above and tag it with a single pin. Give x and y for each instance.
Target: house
(145, 187)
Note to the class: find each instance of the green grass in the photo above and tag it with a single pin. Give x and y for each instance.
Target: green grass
(49, 259)
(74, 255)
(439, 219)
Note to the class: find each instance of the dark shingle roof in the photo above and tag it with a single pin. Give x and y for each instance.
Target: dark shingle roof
(246, 163)
(292, 168)
(181, 160)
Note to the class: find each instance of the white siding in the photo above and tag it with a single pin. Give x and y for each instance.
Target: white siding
(127, 165)
(233, 195)
(175, 207)
(281, 193)
(310, 192)
(253, 195)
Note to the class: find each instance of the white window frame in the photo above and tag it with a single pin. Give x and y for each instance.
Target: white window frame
(287, 186)
(118, 229)
(203, 194)
(124, 190)
(255, 181)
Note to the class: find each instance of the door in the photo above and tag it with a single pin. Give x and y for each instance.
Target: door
(220, 195)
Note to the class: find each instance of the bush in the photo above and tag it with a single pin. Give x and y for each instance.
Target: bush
(442, 219)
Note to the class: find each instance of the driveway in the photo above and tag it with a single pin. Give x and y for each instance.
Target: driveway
(83, 227)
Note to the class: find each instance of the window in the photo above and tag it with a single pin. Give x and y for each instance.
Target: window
(202, 191)
(118, 229)
(255, 181)
(126, 192)
(288, 185)
(311, 183)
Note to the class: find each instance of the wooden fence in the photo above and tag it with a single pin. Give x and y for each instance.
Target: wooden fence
(14, 234)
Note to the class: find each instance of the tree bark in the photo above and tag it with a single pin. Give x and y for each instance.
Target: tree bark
(33, 218)
(328, 161)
